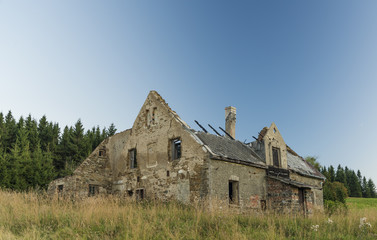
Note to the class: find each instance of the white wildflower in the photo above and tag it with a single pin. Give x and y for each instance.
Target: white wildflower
(364, 223)
(315, 227)
(329, 221)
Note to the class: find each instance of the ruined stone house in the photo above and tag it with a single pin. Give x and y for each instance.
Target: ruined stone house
(161, 157)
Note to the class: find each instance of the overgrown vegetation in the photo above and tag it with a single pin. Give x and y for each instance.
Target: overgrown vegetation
(32, 153)
(35, 216)
(341, 184)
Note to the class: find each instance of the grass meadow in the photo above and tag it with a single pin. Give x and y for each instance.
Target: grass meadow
(35, 216)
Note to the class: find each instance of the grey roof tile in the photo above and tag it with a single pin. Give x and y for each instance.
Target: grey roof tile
(229, 149)
(299, 165)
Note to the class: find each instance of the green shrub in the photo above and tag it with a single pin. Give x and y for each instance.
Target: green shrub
(335, 207)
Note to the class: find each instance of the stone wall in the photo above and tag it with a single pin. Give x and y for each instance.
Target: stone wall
(157, 173)
(189, 178)
(251, 184)
(273, 139)
(284, 198)
(96, 170)
(317, 192)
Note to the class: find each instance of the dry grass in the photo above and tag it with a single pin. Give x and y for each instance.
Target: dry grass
(35, 216)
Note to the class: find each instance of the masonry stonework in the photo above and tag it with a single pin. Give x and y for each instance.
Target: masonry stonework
(161, 157)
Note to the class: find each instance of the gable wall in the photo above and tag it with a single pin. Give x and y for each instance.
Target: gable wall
(152, 140)
(274, 139)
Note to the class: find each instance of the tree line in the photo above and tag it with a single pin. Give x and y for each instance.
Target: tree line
(343, 182)
(355, 184)
(33, 153)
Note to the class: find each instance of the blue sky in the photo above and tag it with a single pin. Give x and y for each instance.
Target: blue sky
(308, 66)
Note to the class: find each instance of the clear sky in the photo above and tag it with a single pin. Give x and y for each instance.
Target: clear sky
(308, 66)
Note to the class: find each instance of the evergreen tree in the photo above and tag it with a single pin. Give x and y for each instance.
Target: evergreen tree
(325, 172)
(97, 138)
(43, 168)
(365, 189)
(32, 128)
(80, 145)
(90, 138)
(44, 133)
(10, 132)
(112, 130)
(55, 132)
(371, 189)
(1, 131)
(354, 185)
(348, 174)
(20, 124)
(4, 175)
(48, 171)
(103, 134)
(331, 172)
(359, 177)
(33, 152)
(65, 151)
(23, 161)
(340, 176)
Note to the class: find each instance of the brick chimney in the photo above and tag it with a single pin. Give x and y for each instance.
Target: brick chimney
(230, 121)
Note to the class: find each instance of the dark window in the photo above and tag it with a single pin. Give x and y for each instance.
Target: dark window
(301, 198)
(60, 188)
(276, 156)
(93, 190)
(167, 173)
(154, 115)
(138, 179)
(233, 192)
(176, 148)
(263, 205)
(130, 193)
(132, 156)
(140, 194)
(102, 153)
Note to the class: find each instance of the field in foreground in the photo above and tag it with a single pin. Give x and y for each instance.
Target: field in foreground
(33, 216)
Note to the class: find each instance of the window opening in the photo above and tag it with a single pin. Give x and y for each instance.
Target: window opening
(301, 198)
(147, 118)
(233, 192)
(130, 193)
(138, 179)
(154, 115)
(167, 173)
(276, 156)
(140, 194)
(60, 188)
(132, 156)
(263, 205)
(102, 153)
(176, 148)
(93, 190)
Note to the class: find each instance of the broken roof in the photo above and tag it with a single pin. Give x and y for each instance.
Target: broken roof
(300, 166)
(227, 149)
